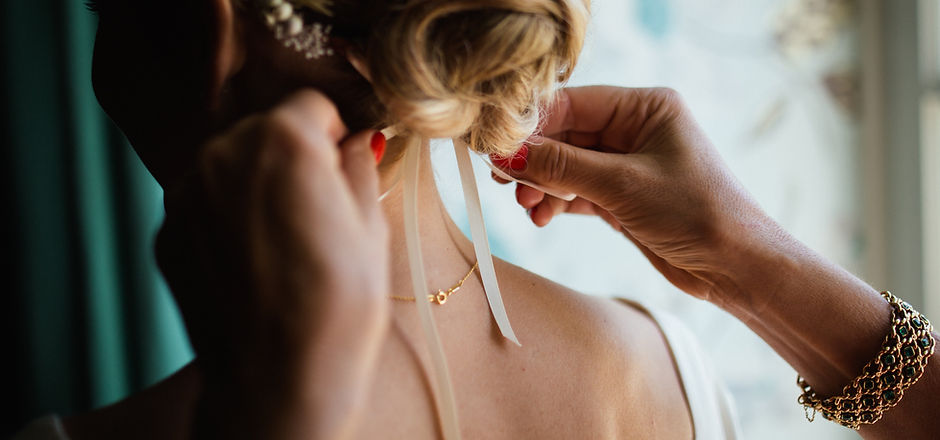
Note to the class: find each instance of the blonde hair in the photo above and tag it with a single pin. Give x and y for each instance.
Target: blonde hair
(481, 70)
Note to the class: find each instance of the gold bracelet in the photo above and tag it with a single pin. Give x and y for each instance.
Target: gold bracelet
(901, 362)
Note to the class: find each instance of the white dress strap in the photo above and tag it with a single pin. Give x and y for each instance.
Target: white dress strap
(711, 405)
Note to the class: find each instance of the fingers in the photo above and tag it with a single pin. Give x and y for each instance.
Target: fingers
(358, 164)
(584, 207)
(559, 117)
(543, 213)
(584, 109)
(315, 111)
(528, 197)
(609, 118)
(498, 179)
(305, 125)
(290, 161)
(594, 175)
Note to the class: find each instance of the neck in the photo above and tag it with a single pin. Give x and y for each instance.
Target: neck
(448, 254)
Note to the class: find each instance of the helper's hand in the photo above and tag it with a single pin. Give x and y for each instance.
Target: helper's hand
(277, 252)
(636, 158)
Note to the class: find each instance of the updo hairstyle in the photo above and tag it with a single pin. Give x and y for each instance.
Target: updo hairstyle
(481, 70)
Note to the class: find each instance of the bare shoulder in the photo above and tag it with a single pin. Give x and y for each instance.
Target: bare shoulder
(617, 350)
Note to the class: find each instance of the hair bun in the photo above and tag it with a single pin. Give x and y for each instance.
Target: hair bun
(477, 69)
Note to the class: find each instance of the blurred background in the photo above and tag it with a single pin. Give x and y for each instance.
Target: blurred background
(827, 110)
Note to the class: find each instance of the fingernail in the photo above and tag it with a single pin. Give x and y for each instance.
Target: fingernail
(378, 146)
(531, 213)
(517, 162)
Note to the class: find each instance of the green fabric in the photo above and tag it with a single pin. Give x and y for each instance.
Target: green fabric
(86, 316)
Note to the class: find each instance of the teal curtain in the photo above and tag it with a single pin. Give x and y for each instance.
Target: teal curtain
(85, 315)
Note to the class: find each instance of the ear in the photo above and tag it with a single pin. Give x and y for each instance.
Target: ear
(228, 54)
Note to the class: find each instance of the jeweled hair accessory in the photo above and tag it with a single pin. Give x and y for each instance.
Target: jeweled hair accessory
(286, 19)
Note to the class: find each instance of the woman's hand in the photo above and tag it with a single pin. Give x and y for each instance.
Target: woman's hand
(276, 250)
(637, 159)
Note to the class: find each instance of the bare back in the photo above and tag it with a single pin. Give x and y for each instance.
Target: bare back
(589, 367)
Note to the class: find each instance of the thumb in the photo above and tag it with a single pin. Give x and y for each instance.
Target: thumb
(360, 154)
(593, 175)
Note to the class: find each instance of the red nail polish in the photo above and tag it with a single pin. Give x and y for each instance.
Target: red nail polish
(499, 161)
(378, 146)
(517, 162)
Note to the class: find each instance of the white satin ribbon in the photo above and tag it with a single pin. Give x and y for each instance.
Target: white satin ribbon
(481, 244)
(445, 401)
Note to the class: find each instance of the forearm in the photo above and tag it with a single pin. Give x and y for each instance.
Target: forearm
(658, 179)
(827, 324)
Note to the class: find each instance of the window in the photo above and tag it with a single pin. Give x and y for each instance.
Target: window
(930, 151)
(901, 163)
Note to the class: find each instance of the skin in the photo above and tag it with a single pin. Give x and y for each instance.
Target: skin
(280, 259)
(637, 159)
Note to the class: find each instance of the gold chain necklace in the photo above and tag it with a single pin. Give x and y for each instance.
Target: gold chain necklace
(441, 296)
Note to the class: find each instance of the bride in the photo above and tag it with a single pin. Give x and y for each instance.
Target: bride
(299, 235)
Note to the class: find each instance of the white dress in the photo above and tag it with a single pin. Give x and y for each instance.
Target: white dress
(713, 415)
(709, 402)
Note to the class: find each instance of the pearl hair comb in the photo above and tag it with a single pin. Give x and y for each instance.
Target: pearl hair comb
(286, 19)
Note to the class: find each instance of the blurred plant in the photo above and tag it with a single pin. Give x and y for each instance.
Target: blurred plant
(843, 88)
(805, 26)
(807, 33)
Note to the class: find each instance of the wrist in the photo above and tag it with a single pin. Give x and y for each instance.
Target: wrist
(824, 321)
(759, 260)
